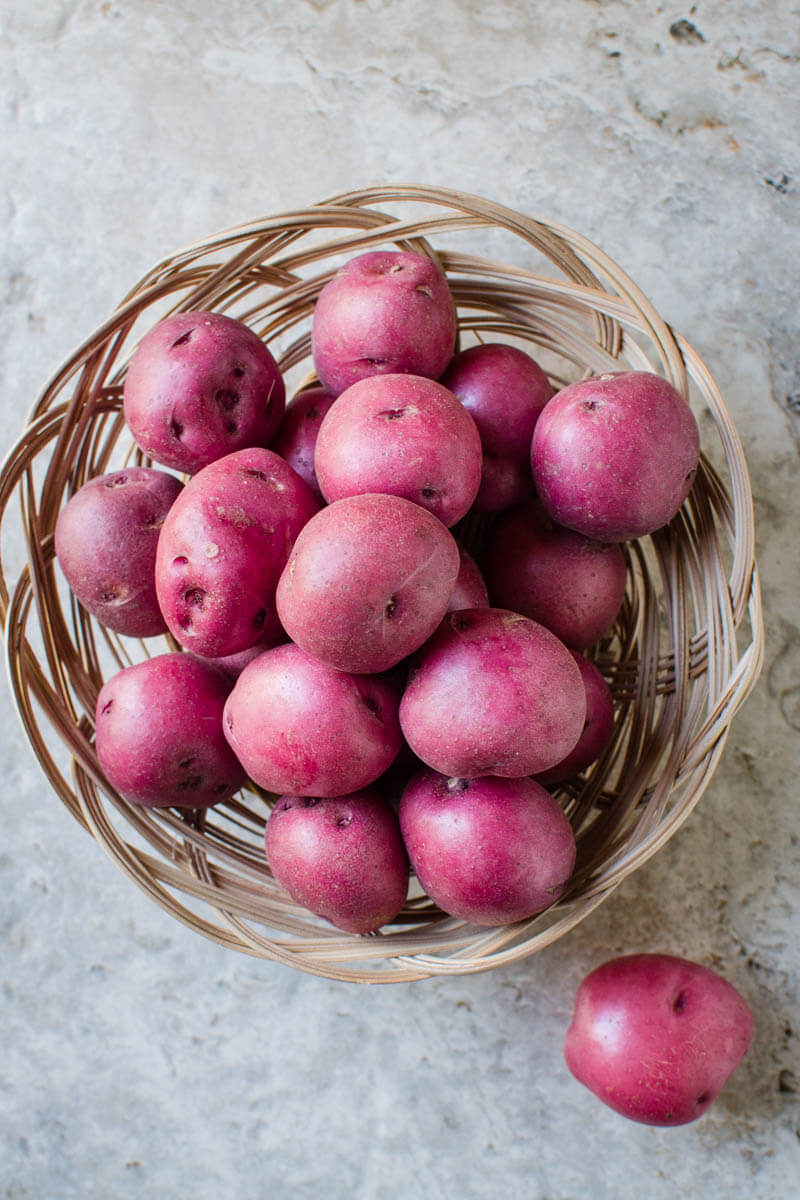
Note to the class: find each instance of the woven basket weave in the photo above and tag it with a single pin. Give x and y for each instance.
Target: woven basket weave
(684, 654)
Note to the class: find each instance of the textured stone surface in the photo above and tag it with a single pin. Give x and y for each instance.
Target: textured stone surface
(138, 1059)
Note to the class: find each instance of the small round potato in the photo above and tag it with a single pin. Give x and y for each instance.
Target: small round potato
(106, 539)
(297, 435)
(384, 312)
(487, 850)
(342, 858)
(201, 385)
(159, 733)
(512, 694)
(300, 727)
(368, 580)
(597, 730)
(403, 435)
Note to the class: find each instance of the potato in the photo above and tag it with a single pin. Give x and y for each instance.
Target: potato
(223, 547)
(342, 858)
(656, 1037)
(505, 482)
(368, 580)
(493, 693)
(159, 734)
(384, 312)
(470, 589)
(614, 456)
(297, 435)
(488, 850)
(302, 728)
(106, 538)
(569, 583)
(201, 385)
(504, 390)
(405, 436)
(597, 730)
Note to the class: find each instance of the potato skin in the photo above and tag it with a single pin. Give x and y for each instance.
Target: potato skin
(343, 858)
(297, 435)
(384, 312)
(201, 385)
(106, 538)
(159, 734)
(222, 549)
(490, 851)
(504, 390)
(569, 583)
(470, 589)
(403, 435)
(512, 692)
(614, 456)
(656, 1037)
(597, 730)
(300, 727)
(368, 580)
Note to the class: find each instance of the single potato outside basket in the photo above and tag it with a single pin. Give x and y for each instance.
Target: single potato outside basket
(675, 661)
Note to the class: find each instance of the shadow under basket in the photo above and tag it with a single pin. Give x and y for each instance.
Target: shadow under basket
(674, 660)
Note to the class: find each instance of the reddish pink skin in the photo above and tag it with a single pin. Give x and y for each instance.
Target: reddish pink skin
(512, 693)
(300, 727)
(297, 435)
(504, 390)
(106, 538)
(598, 727)
(505, 482)
(342, 858)
(385, 312)
(222, 549)
(570, 584)
(656, 1037)
(367, 582)
(490, 851)
(470, 590)
(234, 664)
(201, 385)
(159, 735)
(403, 435)
(614, 457)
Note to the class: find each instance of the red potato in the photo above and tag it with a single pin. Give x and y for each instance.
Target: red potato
(223, 547)
(159, 734)
(403, 435)
(342, 858)
(490, 851)
(297, 435)
(106, 538)
(656, 1037)
(570, 584)
(300, 727)
(470, 589)
(504, 390)
(367, 582)
(512, 694)
(505, 482)
(201, 385)
(383, 313)
(614, 456)
(598, 727)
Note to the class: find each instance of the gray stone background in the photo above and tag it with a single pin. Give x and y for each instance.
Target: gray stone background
(138, 1060)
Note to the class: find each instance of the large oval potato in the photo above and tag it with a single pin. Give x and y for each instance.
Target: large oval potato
(222, 549)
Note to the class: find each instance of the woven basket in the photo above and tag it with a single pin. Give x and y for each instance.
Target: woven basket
(674, 661)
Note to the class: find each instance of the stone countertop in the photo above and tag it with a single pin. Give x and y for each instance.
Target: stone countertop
(140, 1060)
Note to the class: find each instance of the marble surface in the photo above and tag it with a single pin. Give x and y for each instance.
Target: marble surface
(138, 1060)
